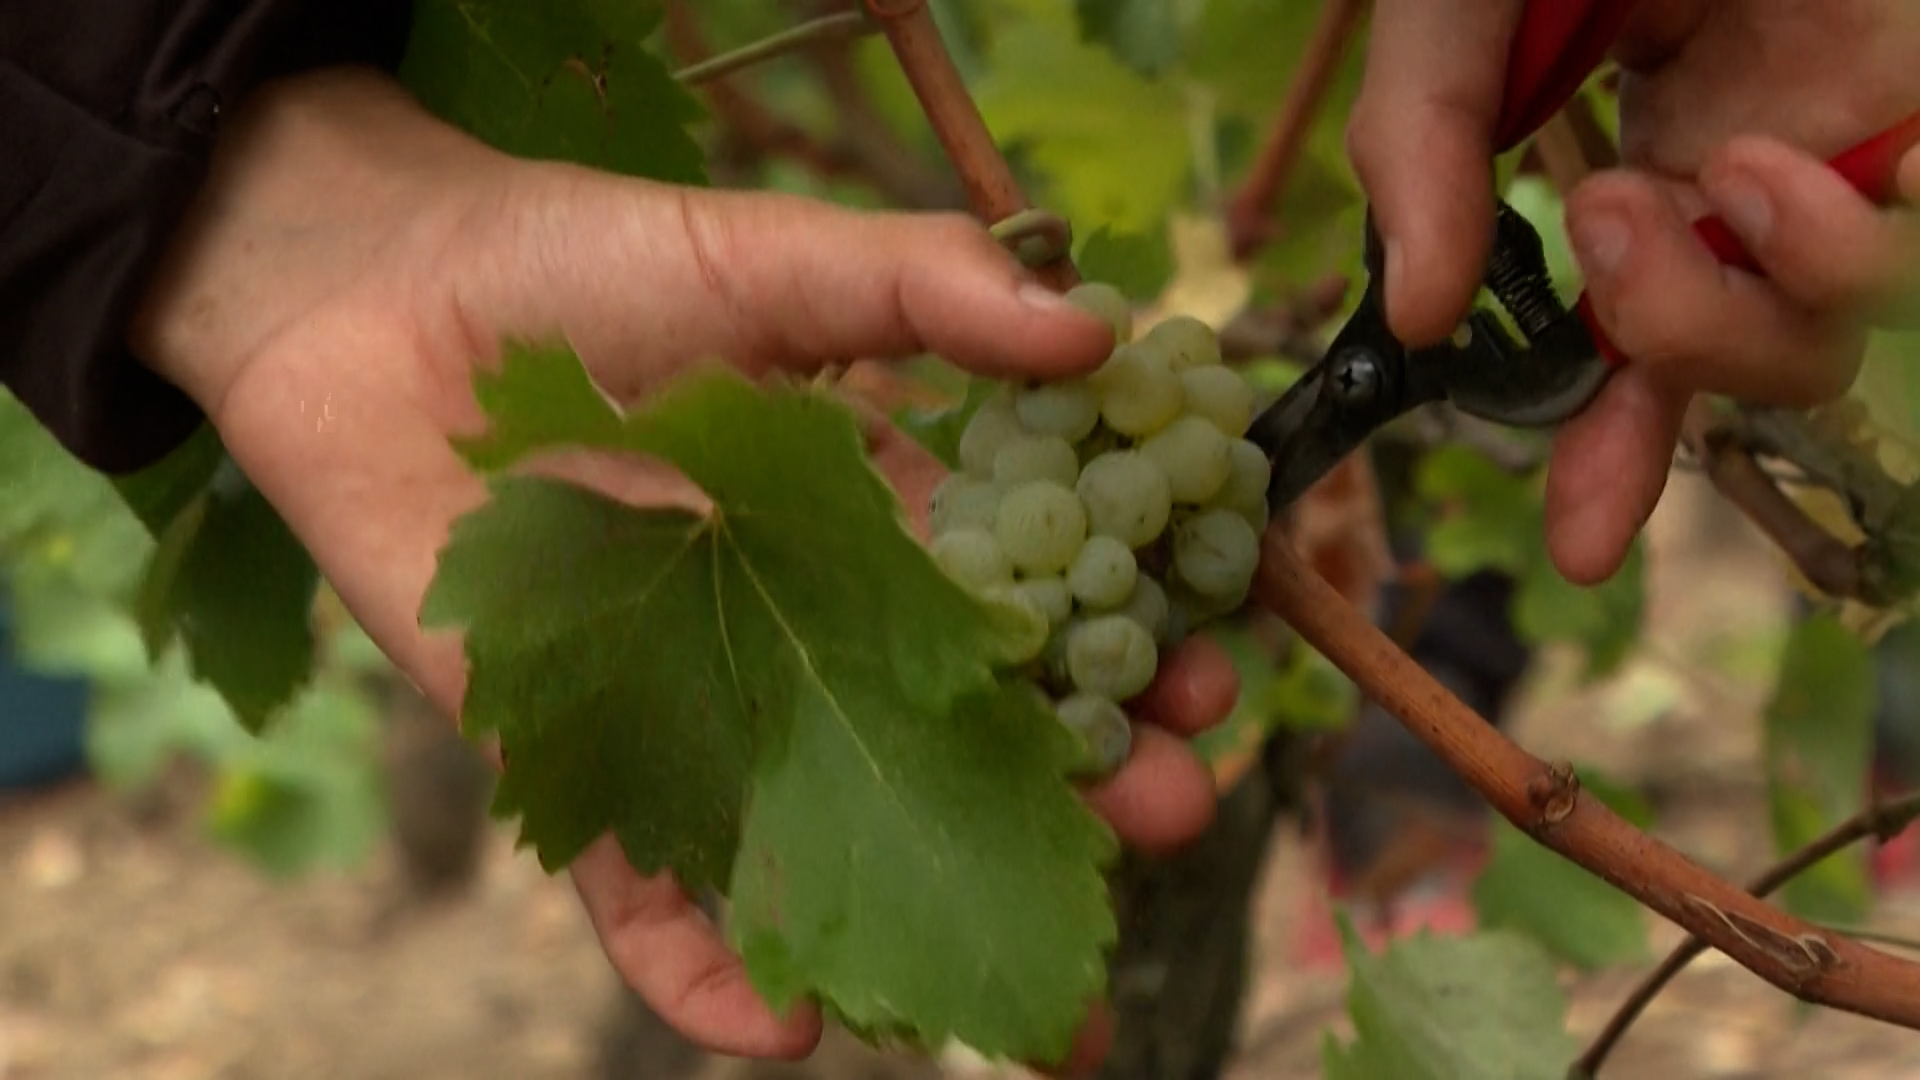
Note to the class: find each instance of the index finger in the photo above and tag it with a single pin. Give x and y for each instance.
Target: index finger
(1421, 140)
(666, 949)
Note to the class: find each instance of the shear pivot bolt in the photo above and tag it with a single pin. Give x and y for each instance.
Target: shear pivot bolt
(1357, 376)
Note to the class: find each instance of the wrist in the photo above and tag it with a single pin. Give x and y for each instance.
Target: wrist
(313, 181)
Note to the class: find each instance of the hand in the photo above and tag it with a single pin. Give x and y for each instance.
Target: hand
(1726, 107)
(351, 261)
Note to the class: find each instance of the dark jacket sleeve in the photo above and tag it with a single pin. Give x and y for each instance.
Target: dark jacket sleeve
(108, 112)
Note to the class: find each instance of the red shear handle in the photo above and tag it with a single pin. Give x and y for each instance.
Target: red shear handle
(1556, 46)
(1872, 168)
(1559, 43)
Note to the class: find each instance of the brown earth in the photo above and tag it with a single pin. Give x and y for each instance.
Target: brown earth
(132, 947)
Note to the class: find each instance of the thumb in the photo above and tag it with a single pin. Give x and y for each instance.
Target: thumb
(647, 274)
(1421, 140)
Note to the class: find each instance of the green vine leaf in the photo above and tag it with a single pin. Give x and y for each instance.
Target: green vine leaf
(1818, 745)
(1489, 519)
(1436, 1008)
(564, 80)
(252, 643)
(939, 430)
(1138, 264)
(1144, 34)
(188, 544)
(162, 491)
(782, 697)
(1112, 145)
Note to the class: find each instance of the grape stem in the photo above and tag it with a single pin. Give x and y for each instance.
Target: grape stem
(1882, 820)
(841, 26)
(992, 190)
(1545, 801)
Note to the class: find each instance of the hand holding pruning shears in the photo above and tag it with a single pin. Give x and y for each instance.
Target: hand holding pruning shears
(1787, 121)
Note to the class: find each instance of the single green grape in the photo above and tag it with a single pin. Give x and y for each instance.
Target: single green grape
(1139, 393)
(1035, 457)
(1036, 623)
(1067, 409)
(1105, 734)
(1126, 497)
(1248, 475)
(1195, 457)
(1107, 303)
(1040, 526)
(1221, 396)
(1050, 594)
(972, 557)
(1186, 342)
(991, 427)
(1216, 552)
(1103, 573)
(961, 501)
(1111, 655)
(1146, 604)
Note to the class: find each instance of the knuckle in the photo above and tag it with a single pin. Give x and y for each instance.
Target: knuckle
(962, 234)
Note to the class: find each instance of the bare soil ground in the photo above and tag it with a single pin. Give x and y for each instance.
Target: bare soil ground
(132, 947)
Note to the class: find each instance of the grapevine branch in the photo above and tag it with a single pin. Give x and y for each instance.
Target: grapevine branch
(828, 28)
(1249, 224)
(861, 151)
(992, 189)
(1884, 821)
(870, 137)
(1729, 445)
(1544, 800)
(1827, 563)
(751, 122)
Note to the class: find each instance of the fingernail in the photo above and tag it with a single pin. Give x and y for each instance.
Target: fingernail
(1601, 244)
(1745, 206)
(1035, 295)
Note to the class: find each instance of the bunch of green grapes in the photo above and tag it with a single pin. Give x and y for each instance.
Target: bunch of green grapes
(1120, 511)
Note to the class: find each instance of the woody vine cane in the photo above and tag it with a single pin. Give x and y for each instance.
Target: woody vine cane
(1545, 800)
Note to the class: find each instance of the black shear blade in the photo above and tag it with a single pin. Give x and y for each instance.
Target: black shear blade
(1336, 407)
(1301, 440)
(1539, 386)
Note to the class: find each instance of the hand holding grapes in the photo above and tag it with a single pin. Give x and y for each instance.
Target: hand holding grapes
(1727, 108)
(353, 259)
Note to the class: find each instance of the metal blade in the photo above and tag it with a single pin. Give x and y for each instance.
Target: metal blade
(1334, 409)
(1558, 374)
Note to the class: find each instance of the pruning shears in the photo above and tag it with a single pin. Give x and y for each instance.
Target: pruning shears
(1368, 378)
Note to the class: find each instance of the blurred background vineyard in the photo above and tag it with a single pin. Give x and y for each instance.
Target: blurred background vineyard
(180, 898)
